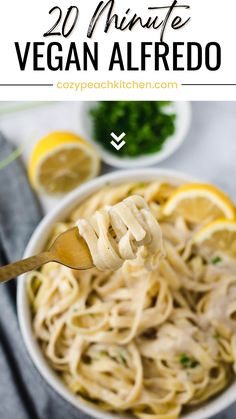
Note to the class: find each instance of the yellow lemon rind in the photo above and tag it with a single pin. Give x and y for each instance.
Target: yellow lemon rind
(190, 191)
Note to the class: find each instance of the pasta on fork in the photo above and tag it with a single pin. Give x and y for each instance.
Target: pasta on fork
(115, 233)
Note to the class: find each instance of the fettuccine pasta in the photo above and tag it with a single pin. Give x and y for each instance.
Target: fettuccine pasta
(151, 343)
(115, 233)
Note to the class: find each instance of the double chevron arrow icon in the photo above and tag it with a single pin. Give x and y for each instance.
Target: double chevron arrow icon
(117, 143)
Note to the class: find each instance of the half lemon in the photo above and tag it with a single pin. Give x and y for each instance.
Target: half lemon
(199, 203)
(61, 161)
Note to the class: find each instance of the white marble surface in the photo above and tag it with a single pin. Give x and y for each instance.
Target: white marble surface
(209, 151)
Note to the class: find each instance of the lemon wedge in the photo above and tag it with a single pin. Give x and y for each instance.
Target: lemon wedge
(220, 235)
(60, 162)
(199, 203)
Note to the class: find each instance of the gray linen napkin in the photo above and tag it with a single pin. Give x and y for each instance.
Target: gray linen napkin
(23, 392)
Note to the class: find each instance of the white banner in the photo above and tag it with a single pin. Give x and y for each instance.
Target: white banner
(152, 49)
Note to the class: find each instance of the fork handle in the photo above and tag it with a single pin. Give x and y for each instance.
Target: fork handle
(17, 268)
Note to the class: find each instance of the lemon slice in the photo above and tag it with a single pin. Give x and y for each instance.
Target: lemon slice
(61, 161)
(220, 235)
(199, 202)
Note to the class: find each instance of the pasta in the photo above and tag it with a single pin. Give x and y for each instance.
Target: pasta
(115, 233)
(150, 343)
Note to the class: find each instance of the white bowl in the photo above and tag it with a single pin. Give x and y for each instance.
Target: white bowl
(182, 123)
(38, 242)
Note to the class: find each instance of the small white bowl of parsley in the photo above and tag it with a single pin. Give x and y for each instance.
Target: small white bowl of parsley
(154, 130)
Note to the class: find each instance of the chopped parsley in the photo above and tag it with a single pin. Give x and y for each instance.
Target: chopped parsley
(188, 362)
(194, 364)
(216, 260)
(147, 125)
(123, 359)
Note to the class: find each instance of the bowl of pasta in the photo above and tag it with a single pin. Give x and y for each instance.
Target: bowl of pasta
(139, 342)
